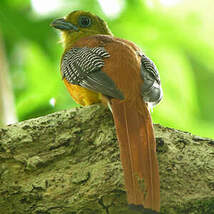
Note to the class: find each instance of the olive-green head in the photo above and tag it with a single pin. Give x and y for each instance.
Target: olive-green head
(80, 24)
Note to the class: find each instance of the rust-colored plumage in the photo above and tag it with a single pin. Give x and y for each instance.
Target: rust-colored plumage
(132, 120)
(131, 116)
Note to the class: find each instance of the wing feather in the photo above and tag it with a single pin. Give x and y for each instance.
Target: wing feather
(83, 67)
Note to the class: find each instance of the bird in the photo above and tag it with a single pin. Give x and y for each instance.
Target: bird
(98, 67)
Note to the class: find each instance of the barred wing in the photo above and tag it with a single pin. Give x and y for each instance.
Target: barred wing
(151, 89)
(82, 66)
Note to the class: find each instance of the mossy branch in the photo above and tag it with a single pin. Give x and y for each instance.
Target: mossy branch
(68, 162)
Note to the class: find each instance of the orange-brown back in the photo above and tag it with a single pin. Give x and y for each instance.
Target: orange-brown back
(123, 65)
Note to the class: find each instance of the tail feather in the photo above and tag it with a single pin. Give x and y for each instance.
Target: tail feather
(137, 153)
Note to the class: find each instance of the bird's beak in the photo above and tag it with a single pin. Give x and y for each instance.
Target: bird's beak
(62, 24)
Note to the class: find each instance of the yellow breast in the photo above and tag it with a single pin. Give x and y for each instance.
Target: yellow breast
(82, 95)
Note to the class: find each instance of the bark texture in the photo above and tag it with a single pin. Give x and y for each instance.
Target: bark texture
(68, 162)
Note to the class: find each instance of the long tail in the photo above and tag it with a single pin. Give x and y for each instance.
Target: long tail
(138, 154)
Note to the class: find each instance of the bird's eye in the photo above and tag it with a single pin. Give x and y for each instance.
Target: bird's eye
(84, 21)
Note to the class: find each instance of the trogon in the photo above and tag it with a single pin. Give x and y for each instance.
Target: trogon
(97, 67)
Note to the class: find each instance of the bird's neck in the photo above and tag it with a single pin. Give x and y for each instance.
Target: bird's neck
(70, 39)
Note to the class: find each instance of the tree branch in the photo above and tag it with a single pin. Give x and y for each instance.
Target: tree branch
(68, 162)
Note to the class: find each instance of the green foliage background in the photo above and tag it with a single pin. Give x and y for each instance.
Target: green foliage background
(178, 39)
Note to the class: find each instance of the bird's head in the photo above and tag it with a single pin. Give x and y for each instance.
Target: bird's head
(80, 24)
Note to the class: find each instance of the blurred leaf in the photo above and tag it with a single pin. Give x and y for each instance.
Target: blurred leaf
(178, 39)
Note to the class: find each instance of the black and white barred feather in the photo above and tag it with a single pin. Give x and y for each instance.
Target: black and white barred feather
(77, 63)
(151, 88)
(150, 68)
(83, 67)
